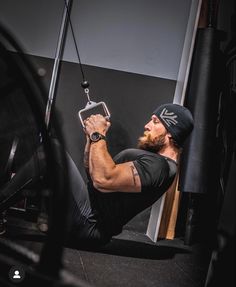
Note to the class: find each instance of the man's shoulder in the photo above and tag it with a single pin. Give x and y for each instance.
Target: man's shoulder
(132, 154)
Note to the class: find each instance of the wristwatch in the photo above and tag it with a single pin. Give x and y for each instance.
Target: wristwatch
(96, 136)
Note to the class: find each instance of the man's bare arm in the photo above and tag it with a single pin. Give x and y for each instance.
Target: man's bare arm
(86, 153)
(105, 174)
(110, 177)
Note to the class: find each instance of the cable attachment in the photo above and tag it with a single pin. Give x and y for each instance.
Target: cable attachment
(85, 86)
(92, 107)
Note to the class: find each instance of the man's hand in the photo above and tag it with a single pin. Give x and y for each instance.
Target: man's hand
(96, 123)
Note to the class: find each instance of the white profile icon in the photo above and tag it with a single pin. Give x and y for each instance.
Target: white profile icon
(16, 275)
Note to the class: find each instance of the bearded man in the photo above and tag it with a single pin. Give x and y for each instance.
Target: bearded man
(121, 187)
(118, 188)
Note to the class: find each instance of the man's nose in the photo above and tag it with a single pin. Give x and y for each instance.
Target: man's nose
(147, 127)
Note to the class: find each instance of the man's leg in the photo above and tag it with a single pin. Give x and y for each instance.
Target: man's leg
(79, 208)
(83, 225)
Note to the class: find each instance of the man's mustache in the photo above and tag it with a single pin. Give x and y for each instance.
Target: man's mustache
(146, 137)
(145, 134)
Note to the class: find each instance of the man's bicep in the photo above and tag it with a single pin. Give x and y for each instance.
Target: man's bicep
(124, 178)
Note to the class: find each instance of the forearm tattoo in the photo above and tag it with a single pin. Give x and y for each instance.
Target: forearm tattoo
(134, 173)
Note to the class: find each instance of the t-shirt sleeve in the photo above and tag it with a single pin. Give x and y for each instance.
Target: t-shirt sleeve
(153, 171)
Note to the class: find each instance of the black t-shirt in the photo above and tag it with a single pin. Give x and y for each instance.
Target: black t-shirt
(115, 209)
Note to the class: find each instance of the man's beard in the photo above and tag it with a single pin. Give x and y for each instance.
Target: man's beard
(153, 145)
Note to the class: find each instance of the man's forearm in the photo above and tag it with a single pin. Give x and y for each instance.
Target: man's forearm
(100, 161)
(101, 164)
(86, 154)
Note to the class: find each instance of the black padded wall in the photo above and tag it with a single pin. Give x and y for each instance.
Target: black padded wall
(199, 165)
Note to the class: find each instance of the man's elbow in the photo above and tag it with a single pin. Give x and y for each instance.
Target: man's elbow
(102, 184)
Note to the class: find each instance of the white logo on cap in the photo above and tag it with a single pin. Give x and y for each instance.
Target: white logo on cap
(168, 117)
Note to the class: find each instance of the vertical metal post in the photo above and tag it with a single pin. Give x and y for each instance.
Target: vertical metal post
(51, 255)
(58, 56)
(187, 52)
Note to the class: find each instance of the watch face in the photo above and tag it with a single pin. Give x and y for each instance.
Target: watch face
(95, 137)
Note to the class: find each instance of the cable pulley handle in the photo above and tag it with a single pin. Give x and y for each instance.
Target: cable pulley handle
(93, 108)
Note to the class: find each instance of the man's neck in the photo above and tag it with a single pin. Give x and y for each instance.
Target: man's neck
(172, 153)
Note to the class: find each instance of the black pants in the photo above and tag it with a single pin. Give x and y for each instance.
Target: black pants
(83, 223)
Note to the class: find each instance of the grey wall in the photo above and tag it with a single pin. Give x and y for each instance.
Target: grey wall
(142, 36)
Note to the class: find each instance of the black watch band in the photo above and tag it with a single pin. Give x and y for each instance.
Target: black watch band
(96, 136)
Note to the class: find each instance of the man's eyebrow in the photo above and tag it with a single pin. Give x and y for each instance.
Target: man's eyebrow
(155, 118)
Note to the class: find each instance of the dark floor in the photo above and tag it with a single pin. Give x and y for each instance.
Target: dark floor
(131, 259)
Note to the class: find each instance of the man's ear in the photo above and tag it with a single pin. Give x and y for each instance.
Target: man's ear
(169, 135)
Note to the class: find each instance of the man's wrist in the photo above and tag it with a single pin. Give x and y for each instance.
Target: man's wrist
(96, 136)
